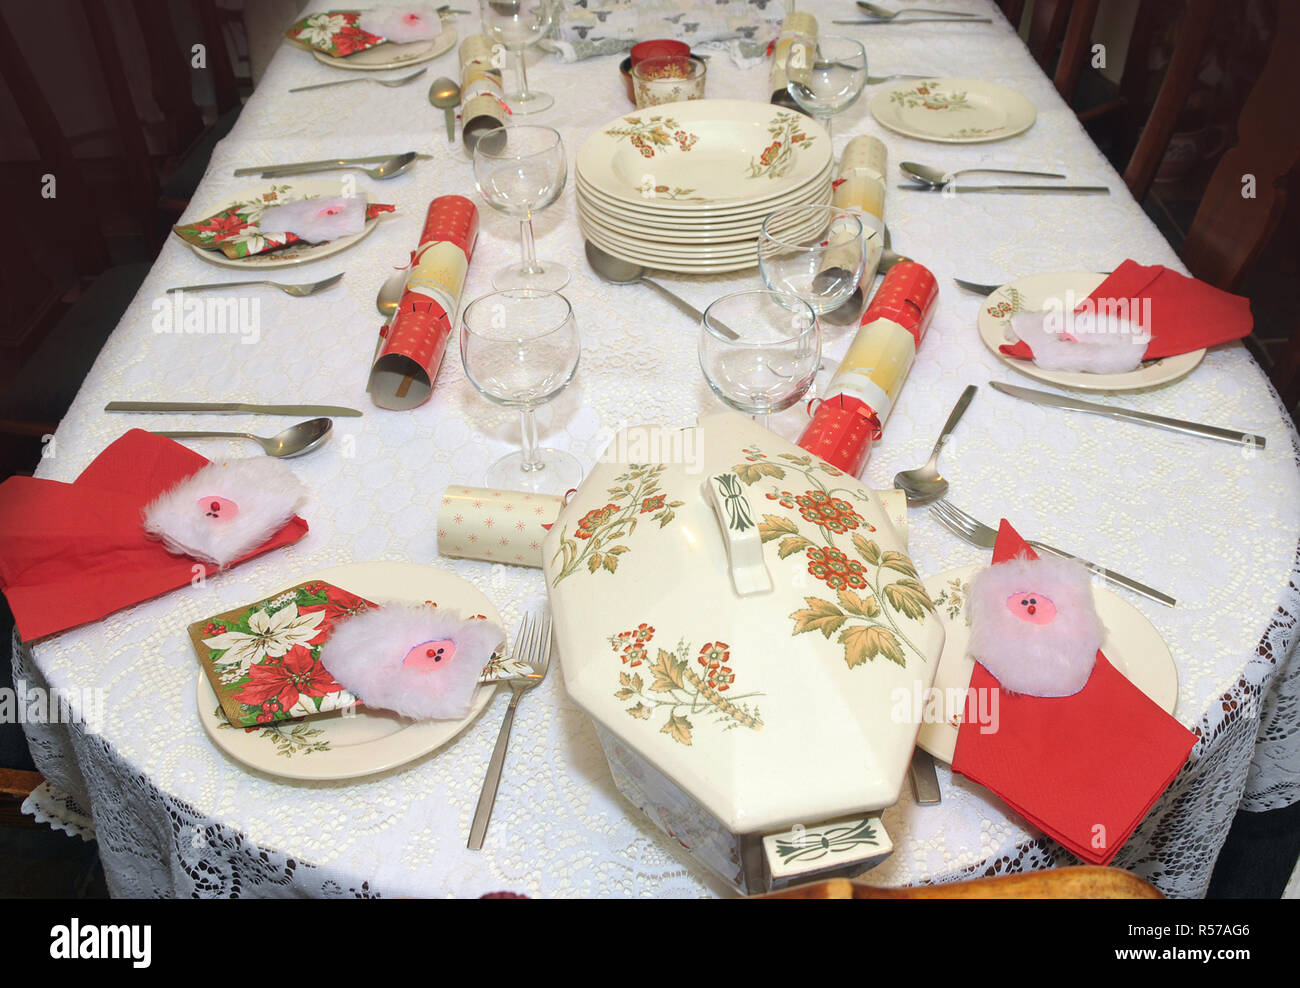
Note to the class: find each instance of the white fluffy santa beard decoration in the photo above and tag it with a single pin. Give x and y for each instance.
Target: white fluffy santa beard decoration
(1034, 625)
(419, 661)
(225, 510)
(1091, 341)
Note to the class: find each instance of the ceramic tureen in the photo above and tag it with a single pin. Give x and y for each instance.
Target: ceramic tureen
(740, 620)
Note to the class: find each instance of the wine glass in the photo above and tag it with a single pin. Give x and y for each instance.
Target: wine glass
(826, 78)
(516, 25)
(823, 265)
(520, 349)
(520, 170)
(760, 350)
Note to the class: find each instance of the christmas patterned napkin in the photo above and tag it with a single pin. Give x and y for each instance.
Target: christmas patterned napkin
(263, 659)
(235, 230)
(340, 33)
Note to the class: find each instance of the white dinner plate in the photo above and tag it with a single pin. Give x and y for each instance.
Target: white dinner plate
(348, 745)
(954, 111)
(653, 208)
(712, 153)
(661, 262)
(296, 254)
(1132, 645)
(667, 242)
(392, 56)
(741, 223)
(1032, 293)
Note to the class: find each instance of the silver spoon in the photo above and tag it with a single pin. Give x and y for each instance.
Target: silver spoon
(293, 441)
(851, 308)
(445, 95)
(937, 179)
(619, 272)
(924, 484)
(390, 292)
(390, 83)
(390, 168)
(297, 291)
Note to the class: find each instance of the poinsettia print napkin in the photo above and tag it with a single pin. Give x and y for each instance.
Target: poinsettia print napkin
(263, 659)
(235, 230)
(341, 33)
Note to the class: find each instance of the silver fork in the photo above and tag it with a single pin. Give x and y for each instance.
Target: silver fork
(977, 533)
(888, 15)
(390, 83)
(297, 291)
(533, 646)
(978, 289)
(875, 80)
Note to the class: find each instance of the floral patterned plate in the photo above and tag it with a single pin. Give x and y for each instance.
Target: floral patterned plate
(727, 153)
(295, 254)
(1032, 293)
(349, 745)
(1132, 645)
(392, 56)
(953, 111)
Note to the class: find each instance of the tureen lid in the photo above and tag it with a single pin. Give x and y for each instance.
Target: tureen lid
(744, 616)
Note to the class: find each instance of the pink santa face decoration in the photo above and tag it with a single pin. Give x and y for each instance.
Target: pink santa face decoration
(430, 655)
(218, 508)
(1033, 607)
(1041, 641)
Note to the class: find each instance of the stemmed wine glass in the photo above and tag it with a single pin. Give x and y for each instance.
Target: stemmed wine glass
(823, 265)
(760, 350)
(520, 170)
(516, 25)
(520, 349)
(834, 79)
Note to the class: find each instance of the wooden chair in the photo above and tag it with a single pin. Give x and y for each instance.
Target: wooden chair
(1193, 34)
(1084, 882)
(15, 787)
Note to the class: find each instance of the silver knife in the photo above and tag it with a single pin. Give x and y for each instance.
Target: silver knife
(1028, 190)
(372, 159)
(1129, 415)
(230, 408)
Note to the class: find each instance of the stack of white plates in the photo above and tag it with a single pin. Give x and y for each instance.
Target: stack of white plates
(686, 186)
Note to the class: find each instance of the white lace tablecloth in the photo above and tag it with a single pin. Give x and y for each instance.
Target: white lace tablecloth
(1214, 526)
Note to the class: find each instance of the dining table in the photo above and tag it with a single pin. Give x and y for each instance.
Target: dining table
(1215, 525)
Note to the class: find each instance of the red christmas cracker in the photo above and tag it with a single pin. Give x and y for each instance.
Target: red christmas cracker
(867, 382)
(415, 341)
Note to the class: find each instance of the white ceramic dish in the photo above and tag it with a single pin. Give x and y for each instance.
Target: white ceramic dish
(338, 746)
(661, 262)
(953, 111)
(738, 647)
(1132, 645)
(669, 245)
(713, 153)
(649, 208)
(296, 254)
(392, 56)
(1032, 293)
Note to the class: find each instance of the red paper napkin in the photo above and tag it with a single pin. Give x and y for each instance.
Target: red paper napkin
(72, 553)
(1085, 769)
(1186, 314)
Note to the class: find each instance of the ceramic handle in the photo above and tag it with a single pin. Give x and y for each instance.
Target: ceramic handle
(739, 530)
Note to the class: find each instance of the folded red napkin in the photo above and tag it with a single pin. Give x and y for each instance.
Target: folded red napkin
(1085, 768)
(1185, 314)
(72, 553)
